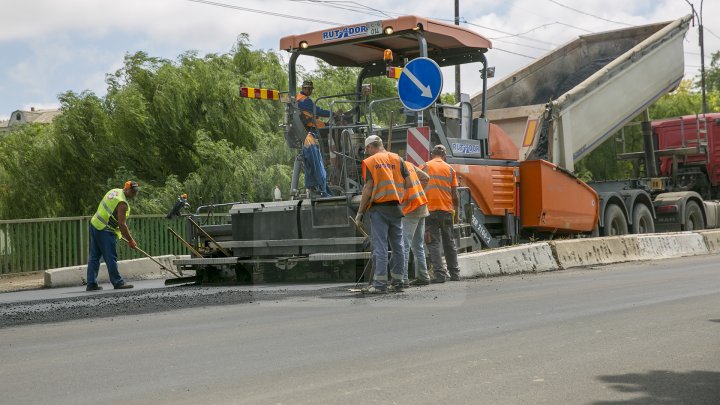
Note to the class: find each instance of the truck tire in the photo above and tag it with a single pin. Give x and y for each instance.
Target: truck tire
(642, 220)
(694, 220)
(615, 223)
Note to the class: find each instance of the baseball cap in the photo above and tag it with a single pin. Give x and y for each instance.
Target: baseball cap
(372, 139)
(307, 83)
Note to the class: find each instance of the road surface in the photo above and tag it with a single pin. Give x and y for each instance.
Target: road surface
(643, 333)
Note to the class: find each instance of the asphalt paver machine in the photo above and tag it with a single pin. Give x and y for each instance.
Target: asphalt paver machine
(312, 237)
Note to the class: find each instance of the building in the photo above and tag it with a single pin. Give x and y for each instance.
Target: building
(19, 117)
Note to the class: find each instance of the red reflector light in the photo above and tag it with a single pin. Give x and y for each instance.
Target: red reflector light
(666, 209)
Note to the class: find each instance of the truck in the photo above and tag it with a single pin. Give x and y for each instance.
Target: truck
(513, 146)
(563, 106)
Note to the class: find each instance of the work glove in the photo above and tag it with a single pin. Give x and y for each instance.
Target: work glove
(132, 244)
(359, 218)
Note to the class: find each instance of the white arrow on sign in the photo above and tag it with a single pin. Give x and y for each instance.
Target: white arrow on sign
(424, 89)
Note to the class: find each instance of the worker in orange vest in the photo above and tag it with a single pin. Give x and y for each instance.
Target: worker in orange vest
(385, 179)
(413, 224)
(442, 197)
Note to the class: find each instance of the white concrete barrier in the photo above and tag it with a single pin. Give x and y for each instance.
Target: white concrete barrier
(667, 245)
(135, 269)
(712, 240)
(593, 251)
(529, 258)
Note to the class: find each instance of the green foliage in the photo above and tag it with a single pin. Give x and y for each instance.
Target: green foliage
(712, 74)
(24, 176)
(447, 98)
(682, 101)
(173, 126)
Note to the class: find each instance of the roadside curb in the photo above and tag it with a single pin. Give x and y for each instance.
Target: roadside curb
(566, 254)
(134, 269)
(528, 258)
(712, 240)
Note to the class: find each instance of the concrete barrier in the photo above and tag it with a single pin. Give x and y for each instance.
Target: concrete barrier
(668, 245)
(594, 251)
(712, 240)
(530, 258)
(135, 269)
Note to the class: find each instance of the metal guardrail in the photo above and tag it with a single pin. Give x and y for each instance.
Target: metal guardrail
(48, 243)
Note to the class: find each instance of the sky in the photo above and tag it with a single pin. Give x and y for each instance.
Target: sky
(48, 47)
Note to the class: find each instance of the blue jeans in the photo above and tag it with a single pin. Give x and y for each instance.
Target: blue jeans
(102, 244)
(386, 226)
(413, 238)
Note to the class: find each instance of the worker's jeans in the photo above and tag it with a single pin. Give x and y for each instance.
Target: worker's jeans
(413, 234)
(440, 226)
(386, 226)
(102, 244)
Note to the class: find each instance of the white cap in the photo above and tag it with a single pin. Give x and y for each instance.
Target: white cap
(371, 139)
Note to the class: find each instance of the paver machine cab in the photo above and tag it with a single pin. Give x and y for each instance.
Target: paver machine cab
(311, 236)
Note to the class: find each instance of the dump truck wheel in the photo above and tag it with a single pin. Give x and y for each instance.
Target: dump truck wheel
(642, 220)
(694, 220)
(615, 223)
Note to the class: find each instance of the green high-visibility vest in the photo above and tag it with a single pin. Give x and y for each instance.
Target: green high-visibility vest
(104, 217)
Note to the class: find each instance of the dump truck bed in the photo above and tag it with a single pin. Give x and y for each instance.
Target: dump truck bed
(565, 104)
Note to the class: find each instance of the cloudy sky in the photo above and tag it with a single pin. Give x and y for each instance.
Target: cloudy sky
(51, 46)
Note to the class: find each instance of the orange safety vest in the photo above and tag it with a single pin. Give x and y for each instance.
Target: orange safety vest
(415, 195)
(439, 188)
(388, 181)
(307, 117)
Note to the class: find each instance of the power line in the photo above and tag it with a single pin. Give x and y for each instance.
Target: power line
(523, 45)
(364, 10)
(588, 14)
(708, 30)
(514, 53)
(252, 10)
(507, 33)
(349, 6)
(538, 27)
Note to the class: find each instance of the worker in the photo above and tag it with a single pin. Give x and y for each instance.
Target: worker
(415, 210)
(308, 108)
(107, 226)
(442, 198)
(385, 177)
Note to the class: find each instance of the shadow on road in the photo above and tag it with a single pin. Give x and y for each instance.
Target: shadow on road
(666, 387)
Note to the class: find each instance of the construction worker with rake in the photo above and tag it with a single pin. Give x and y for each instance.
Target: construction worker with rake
(107, 226)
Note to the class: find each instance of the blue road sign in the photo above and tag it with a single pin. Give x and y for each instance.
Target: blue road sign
(420, 84)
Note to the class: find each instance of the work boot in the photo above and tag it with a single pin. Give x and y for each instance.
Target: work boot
(455, 277)
(373, 290)
(123, 286)
(93, 287)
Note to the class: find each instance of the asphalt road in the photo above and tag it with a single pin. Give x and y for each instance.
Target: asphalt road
(643, 333)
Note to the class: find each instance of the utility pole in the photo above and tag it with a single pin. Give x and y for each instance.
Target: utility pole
(702, 53)
(457, 67)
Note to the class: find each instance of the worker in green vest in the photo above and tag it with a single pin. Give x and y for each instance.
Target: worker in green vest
(106, 227)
